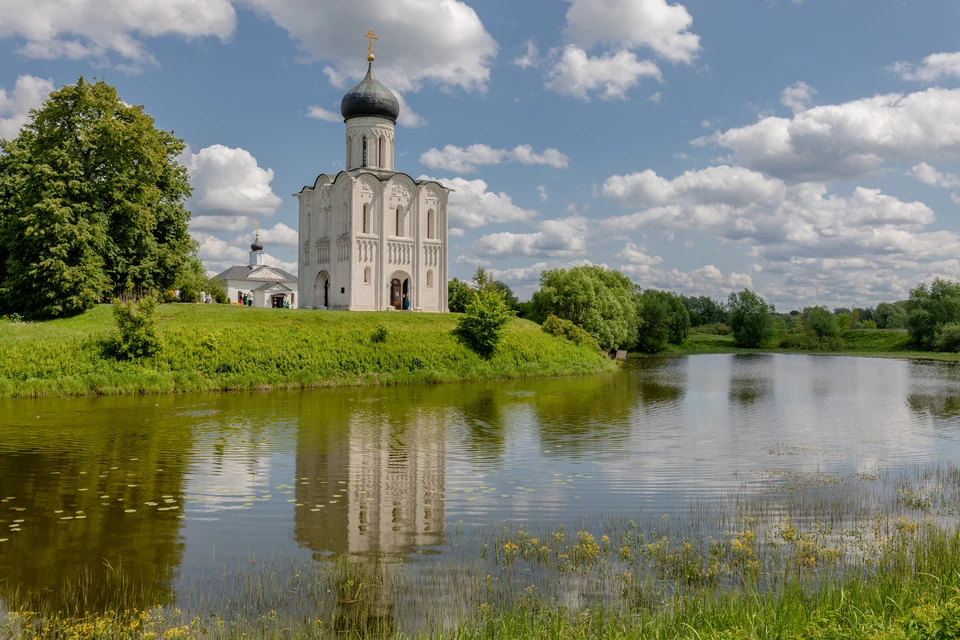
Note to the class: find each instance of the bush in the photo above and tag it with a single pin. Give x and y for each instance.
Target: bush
(459, 294)
(948, 338)
(483, 321)
(136, 335)
(717, 329)
(217, 291)
(380, 333)
(823, 323)
(565, 329)
(868, 324)
(750, 317)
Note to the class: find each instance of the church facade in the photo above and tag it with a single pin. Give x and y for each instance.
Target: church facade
(371, 238)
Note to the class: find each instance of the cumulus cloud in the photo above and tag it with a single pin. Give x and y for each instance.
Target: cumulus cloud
(629, 24)
(436, 41)
(28, 93)
(559, 238)
(277, 235)
(928, 174)
(466, 160)
(529, 59)
(798, 96)
(105, 29)
(638, 256)
(707, 280)
(228, 183)
(656, 97)
(471, 205)
(933, 68)
(542, 192)
(849, 140)
(319, 113)
(218, 255)
(577, 74)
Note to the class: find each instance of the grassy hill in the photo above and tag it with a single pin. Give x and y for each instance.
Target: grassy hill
(220, 347)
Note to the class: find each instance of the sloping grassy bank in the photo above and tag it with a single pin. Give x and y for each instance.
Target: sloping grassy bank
(221, 347)
(863, 342)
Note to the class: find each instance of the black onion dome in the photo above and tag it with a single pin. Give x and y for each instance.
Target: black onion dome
(370, 98)
(257, 245)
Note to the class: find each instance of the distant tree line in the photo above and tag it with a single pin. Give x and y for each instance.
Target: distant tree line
(92, 207)
(600, 306)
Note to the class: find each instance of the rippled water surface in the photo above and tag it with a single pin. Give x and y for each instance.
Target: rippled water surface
(168, 487)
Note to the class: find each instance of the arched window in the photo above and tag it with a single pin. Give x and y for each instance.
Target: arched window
(380, 162)
(399, 221)
(366, 218)
(431, 231)
(430, 278)
(349, 151)
(366, 275)
(346, 220)
(364, 150)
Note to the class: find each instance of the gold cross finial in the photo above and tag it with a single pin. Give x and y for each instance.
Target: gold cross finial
(257, 223)
(371, 36)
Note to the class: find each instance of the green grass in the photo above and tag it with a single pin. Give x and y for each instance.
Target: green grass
(863, 342)
(221, 347)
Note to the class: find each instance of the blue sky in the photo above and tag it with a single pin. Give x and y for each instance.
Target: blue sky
(807, 149)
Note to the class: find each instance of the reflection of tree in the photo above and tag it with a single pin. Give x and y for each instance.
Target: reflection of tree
(661, 380)
(103, 447)
(942, 407)
(481, 410)
(370, 471)
(750, 378)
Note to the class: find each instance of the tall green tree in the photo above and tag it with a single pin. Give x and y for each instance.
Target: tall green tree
(750, 317)
(92, 204)
(662, 318)
(822, 322)
(930, 307)
(458, 295)
(596, 299)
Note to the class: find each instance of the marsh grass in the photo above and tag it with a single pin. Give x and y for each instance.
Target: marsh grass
(224, 347)
(864, 563)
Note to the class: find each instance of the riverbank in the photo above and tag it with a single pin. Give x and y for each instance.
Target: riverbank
(225, 347)
(876, 343)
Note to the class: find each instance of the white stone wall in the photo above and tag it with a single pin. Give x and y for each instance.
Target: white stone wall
(379, 133)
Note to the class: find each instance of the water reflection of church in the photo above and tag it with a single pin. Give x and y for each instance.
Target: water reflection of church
(374, 485)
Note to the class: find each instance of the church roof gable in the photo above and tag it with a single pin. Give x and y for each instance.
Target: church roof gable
(260, 273)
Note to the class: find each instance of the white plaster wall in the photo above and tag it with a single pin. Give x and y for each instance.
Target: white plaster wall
(374, 129)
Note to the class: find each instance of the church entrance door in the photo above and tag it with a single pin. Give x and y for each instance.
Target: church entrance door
(277, 302)
(396, 294)
(321, 290)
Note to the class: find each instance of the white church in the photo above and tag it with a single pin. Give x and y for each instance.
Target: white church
(371, 238)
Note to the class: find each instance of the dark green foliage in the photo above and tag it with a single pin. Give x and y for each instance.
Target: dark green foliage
(566, 329)
(508, 296)
(823, 323)
(136, 335)
(662, 319)
(91, 203)
(719, 329)
(679, 320)
(482, 324)
(380, 333)
(217, 290)
(930, 307)
(458, 295)
(750, 317)
(947, 338)
(890, 315)
(704, 310)
(191, 280)
(596, 299)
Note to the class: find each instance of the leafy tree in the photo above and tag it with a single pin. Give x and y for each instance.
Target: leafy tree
(653, 327)
(482, 324)
(92, 203)
(458, 295)
(750, 317)
(947, 338)
(136, 335)
(592, 297)
(508, 296)
(823, 323)
(217, 290)
(704, 310)
(566, 329)
(844, 321)
(841, 310)
(929, 308)
(191, 280)
(890, 315)
(679, 319)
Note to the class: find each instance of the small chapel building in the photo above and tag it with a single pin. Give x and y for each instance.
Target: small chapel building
(261, 284)
(371, 238)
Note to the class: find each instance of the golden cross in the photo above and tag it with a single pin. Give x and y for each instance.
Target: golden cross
(257, 222)
(371, 36)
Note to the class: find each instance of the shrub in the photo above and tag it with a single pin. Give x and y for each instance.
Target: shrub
(380, 333)
(868, 324)
(566, 329)
(136, 334)
(483, 321)
(717, 329)
(750, 317)
(823, 323)
(947, 338)
(459, 294)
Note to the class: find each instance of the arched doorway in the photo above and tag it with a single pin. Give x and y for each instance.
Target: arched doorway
(399, 290)
(321, 290)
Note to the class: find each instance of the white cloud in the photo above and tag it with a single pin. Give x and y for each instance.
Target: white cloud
(707, 280)
(798, 96)
(577, 74)
(629, 24)
(471, 205)
(326, 115)
(278, 235)
(437, 41)
(955, 197)
(849, 140)
(531, 274)
(101, 29)
(638, 256)
(927, 174)
(932, 69)
(228, 182)
(28, 93)
(466, 160)
(542, 191)
(220, 223)
(656, 97)
(560, 238)
(529, 59)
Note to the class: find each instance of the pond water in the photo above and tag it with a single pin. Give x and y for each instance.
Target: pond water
(173, 489)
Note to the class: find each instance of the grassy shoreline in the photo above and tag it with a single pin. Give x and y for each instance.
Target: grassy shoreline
(226, 348)
(862, 343)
